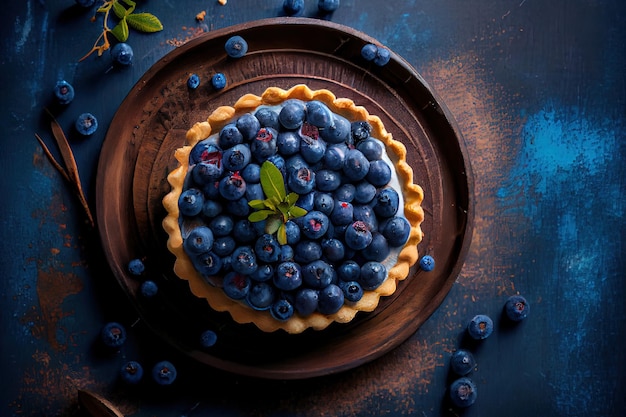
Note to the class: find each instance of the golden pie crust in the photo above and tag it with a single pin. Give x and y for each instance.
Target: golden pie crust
(240, 312)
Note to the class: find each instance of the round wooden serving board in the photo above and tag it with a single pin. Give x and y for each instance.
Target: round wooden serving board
(138, 153)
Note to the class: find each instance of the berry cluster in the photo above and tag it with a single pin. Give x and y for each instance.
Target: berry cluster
(336, 176)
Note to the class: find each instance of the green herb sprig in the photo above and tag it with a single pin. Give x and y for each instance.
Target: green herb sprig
(278, 206)
(124, 10)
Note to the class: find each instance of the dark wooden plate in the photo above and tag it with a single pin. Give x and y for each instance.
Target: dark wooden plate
(151, 123)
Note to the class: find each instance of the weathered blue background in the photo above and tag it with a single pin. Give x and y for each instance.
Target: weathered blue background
(538, 89)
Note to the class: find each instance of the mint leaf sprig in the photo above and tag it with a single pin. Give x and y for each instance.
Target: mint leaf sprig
(278, 206)
(124, 11)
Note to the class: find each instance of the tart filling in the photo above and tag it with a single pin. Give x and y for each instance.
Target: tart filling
(247, 181)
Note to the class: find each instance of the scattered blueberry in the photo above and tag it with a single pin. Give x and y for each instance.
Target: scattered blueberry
(236, 46)
(193, 81)
(122, 54)
(86, 124)
(382, 56)
(463, 392)
(164, 373)
(218, 81)
(328, 6)
(64, 92)
(131, 372)
(480, 327)
(136, 267)
(462, 362)
(208, 338)
(368, 52)
(113, 334)
(293, 7)
(516, 308)
(427, 263)
(149, 289)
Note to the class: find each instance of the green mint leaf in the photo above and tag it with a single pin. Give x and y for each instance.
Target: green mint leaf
(144, 22)
(131, 3)
(260, 215)
(120, 31)
(281, 234)
(272, 182)
(292, 198)
(119, 10)
(295, 212)
(257, 204)
(273, 224)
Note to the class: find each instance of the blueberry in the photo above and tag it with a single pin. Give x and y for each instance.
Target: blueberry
(149, 289)
(317, 274)
(368, 51)
(364, 192)
(312, 148)
(397, 231)
(315, 224)
(206, 150)
(237, 157)
(333, 249)
(306, 301)
(264, 144)
(358, 235)
(282, 310)
(327, 6)
(243, 260)
(193, 81)
(292, 115)
(462, 362)
(379, 173)
(131, 372)
(288, 142)
(293, 232)
(371, 148)
(427, 263)
(463, 392)
(301, 181)
(190, 202)
(338, 131)
(323, 202)
(360, 130)
(253, 192)
(244, 231)
(199, 240)
(480, 327)
(252, 173)
(218, 81)
(349, 271)
(211, 208)
(386, 202)
(267, 248)
(318, 114)
(232, 187)
(206, 172)
(221, 225)
(331, 299)
(327, 180)
(64, 92)
(113, 335)
(236, 46)
(263, 273)
(230, 136)
(286, 253)
(356, 166)
(382, 56)
(267, 118)
(335, 156)
(248, 125)
(516, 308)
(293, 7)
(372, 275)
(164, 373)
(378, 250)
(122, 54)
(208, 338)
(261, 296)
(207, 263)
(236, 285)
(288, 276)
(86, 124)
(136, 267)
(352, 291)
(224, 246)
(342, 213)
(365, 214)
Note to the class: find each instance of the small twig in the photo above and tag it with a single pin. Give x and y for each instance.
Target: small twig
(52, 160)
(71, 169)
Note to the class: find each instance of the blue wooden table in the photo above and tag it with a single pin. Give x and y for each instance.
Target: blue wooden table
(539, 92)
